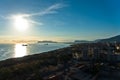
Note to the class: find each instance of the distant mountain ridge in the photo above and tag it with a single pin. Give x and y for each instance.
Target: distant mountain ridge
(47, 41)
(81, 41)
(112, 39)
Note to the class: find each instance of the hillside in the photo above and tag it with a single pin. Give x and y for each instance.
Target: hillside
(112, 39)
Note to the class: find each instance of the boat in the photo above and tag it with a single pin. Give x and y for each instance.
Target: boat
(24, 45)
(46, 44)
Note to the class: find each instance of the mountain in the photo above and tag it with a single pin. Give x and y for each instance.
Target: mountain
(112, 39)
(81, 41)
(47, 41)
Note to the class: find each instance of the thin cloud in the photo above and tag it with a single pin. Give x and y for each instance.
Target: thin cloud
(50, 10)
(34, 22)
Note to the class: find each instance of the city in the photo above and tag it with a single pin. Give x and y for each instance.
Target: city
(60, 40)
(85, 61)
(94, 61)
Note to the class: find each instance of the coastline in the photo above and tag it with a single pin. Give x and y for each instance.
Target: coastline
(15, 68)
(18, 50)
(79, 59)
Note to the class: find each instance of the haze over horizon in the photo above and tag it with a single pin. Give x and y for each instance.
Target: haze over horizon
(59, 20)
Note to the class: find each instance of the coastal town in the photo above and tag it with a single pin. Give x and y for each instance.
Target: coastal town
(60, 40)
(85, 61)
(96, 61)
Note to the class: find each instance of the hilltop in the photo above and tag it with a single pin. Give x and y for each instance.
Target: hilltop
(111, 39)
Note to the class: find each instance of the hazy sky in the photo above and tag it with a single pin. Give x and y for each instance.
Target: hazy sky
(61, 19)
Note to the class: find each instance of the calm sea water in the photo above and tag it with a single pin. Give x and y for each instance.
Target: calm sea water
(18, 50)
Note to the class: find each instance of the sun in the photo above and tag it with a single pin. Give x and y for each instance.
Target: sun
(20, 23)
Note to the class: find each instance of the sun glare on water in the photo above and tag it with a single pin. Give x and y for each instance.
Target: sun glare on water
(20, 23)
(20, 50)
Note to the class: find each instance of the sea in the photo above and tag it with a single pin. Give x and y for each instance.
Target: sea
(19, 50)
